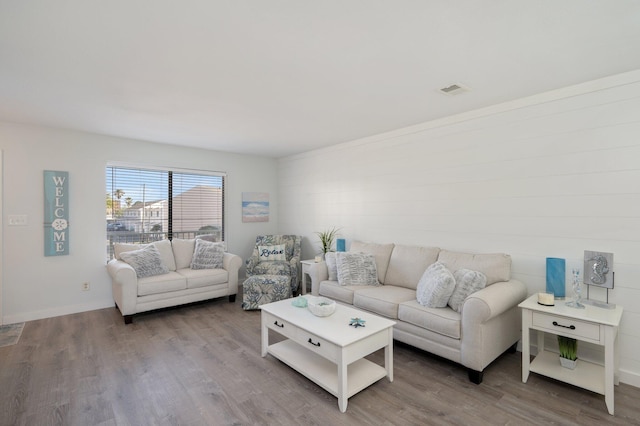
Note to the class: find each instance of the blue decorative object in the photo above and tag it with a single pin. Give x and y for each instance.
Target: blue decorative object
(556, 277)
(340, 244)
(357, 322)
(299, 302)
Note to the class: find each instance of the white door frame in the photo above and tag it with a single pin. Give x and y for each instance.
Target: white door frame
(1, 237)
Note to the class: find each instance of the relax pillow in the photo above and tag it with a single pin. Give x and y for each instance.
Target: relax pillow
(467, 283)
(207, 255)
(356, 269)
(332, 266)
(146, 261)
(268, 253)
(436, 286)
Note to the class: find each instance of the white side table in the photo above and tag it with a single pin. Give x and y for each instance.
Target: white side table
(306, 270)
(592, 324)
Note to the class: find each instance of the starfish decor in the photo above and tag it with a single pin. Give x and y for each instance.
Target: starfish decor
(357, 322)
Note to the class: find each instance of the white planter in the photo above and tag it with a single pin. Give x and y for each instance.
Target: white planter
(567, 363)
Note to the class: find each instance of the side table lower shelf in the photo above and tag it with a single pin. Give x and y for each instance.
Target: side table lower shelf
(360, 374)
(586, 375)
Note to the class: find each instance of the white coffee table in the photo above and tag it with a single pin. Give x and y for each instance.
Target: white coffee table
(327, 350)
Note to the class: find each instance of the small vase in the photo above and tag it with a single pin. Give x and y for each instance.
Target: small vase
(567, 363)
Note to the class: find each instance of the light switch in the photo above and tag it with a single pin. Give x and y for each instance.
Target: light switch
(17, 220)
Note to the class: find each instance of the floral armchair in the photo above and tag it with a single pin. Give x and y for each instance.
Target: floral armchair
(261, 263)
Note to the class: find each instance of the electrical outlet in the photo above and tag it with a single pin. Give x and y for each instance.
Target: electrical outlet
(86, 286)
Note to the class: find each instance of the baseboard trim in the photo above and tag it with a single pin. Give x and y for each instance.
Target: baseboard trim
(55, 312)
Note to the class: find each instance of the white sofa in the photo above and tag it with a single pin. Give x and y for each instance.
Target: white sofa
(488, 325)
(179, 286)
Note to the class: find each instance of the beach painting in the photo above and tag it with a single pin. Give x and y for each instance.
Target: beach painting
(255, 207)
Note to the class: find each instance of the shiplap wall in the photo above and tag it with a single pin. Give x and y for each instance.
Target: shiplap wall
(547, 176)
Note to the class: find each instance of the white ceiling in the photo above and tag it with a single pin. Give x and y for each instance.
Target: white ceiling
(278, 77)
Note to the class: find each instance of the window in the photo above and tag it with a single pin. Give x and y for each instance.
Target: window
(145, 205)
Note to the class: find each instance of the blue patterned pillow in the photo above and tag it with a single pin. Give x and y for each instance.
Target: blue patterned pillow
(146, 261)
(268, 253)
(207, 255)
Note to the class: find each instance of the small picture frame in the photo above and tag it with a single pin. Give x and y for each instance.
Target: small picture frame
(598, 268)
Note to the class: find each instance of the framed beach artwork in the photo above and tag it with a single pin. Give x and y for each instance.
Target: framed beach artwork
(255, 207)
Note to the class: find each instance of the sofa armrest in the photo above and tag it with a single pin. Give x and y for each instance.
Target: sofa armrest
(124, 285)
(493, 300)
(318, 272)
(232, 263)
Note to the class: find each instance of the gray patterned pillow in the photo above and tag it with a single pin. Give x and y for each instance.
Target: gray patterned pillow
(146, 261)
(356, 268)
(436, 286)
(467, 282)
(332, 266)
(207, 255)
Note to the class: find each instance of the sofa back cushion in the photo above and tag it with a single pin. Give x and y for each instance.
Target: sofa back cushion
(183, 252)
(495, 266)
(382, 253)
(163, 246)
(408, 263)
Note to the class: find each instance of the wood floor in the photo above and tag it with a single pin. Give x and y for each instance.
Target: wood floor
(201, 365)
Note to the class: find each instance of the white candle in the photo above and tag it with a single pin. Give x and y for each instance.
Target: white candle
(545, 298)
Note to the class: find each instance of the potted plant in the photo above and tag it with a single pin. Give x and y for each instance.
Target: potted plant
(326, 239)
(568, 351)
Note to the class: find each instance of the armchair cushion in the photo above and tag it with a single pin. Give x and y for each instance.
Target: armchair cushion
(271, 253)
(207, 255)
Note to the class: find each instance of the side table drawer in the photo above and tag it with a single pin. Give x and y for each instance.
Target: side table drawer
(283, 327)
(567, 326)
(318, 345)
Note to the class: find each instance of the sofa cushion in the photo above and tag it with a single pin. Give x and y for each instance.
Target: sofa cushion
(146, 261)
(382, 253)
(495, 266)
(332, 267)
(207, 255)
(356, 268)
(163, 246)
(171, 281)
(272, 253)
(467, 282)
(340, 293)
(204, 277)
(382, 300)
(436, 286)
(444, 321)
(183, 252)
(408, 263)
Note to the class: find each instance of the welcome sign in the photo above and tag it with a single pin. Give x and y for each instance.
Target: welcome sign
(56, 213)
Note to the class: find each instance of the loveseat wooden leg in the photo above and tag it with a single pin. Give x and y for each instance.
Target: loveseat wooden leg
(128, 319)
(475, 376)
(232, 298)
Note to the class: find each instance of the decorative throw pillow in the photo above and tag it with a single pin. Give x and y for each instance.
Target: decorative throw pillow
(436, 286)
(207, 255)
(356, 268)
(269, 253)
(332, 266)
(146, 261)
(467, 282)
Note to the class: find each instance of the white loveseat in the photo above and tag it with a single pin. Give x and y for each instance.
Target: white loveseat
(178, 286)
(488, 325)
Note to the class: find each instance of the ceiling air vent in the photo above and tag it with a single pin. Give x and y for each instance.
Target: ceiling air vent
(454, 89)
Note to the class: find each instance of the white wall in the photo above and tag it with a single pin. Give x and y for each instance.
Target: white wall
(548, 176)
(35, 286)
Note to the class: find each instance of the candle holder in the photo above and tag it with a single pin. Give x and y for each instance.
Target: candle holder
(576, 286)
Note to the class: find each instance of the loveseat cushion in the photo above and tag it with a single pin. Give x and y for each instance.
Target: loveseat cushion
(408, 263)
(183, 252)
(207, 255)
(444, 321)
(161, 284)
(146, 261)
(204, 277)
(382, 253)
(495, 266)
(383, 300)
(163, 246)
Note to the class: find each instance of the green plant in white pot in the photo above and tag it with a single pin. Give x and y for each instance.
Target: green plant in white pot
(568, 347)
(326, 239)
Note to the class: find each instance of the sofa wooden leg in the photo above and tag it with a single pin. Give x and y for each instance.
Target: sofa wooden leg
(232, 298)
(128, 319)
(513, 348)
(475, 376)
